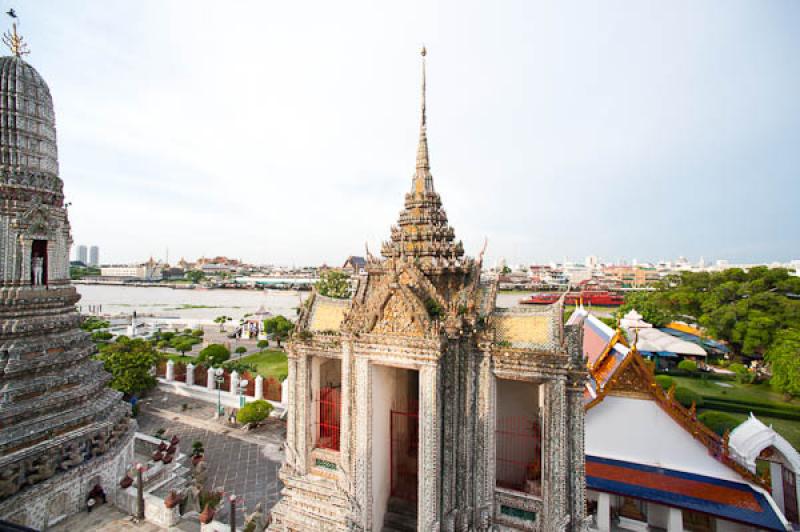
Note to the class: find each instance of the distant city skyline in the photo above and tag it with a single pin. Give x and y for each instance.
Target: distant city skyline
(286, 133)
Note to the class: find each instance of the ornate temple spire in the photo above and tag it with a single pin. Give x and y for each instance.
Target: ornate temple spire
(422, 231)
(423, 180)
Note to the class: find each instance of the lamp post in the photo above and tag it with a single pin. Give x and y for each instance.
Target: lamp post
(232, 515)
(139, 493)
(219, 379)
(242, 389)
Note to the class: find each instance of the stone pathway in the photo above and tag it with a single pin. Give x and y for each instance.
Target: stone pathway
(105, 518)
(243, 463)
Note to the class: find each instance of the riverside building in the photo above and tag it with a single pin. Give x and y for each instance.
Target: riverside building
(417, 404)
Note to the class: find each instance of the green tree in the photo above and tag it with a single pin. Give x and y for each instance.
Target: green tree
(746, 309)
(254, 412)
(221, 320)
(101, 336)
(651, 310)
(182, 345)
(241, 350)
(92, 323)
(213, 355)
(742, 374)
(129, 362)
(279, 327)
(784, 360)
(195, 276)
(333, 283)
(689, 366)
(262, 344)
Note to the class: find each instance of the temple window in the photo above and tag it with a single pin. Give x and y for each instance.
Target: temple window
(39, 263)
(519, 436)
(327, 413)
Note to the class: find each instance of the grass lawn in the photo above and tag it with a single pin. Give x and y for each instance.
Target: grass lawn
(269, 363)
(788, 429)
(759, 393)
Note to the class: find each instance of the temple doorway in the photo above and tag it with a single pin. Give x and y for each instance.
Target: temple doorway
(395, 444)
(519, 436)
(326, 377)
(39, 263)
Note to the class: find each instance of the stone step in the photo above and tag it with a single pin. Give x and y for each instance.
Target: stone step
(401, 506)
(399, 522)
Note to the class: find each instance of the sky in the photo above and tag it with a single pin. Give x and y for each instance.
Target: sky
(285, 132)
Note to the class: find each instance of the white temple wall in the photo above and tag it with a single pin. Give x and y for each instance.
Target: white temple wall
(383, 394)
(638, 430)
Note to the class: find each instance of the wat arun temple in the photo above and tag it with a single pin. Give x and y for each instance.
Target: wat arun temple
(62, 430)
(419, 405)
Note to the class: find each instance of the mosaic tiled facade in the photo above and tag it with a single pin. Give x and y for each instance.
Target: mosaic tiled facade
(61, 429)
(396, 395)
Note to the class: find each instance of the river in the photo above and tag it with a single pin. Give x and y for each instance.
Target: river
(202, 306)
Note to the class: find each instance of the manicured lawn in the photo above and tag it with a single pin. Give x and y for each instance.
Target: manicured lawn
(788, 429)
(269, 363)
(757, 393)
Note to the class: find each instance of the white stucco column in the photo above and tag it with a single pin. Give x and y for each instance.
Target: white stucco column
(210, 384)
(285, 392)
(259, 388)
(776, 476)
(429, 448)
(603, 518)
(675, 520)
(234, 383)
(189, 374)
(170, 376)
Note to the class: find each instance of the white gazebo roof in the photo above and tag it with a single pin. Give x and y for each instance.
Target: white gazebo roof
(654, 341)
(634, 320)
(749, 439)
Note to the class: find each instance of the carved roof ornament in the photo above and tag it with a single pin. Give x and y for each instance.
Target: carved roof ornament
(14, 40)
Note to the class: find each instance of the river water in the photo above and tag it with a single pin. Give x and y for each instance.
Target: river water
(191, 305)
(201, 306)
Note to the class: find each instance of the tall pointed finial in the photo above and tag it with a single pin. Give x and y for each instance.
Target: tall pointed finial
(13, 40)
(423, 181)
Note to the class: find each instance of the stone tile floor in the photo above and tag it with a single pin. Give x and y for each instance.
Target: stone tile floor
(243, 463)
(105, 518)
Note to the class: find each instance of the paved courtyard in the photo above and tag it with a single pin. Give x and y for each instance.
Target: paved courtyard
(243, 463)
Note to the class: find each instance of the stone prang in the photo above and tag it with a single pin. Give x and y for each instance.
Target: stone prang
(61, 429)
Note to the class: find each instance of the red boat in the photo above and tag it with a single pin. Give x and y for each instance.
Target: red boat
(597, 298)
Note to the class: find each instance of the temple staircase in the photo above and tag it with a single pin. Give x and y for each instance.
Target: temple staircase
(401, 516)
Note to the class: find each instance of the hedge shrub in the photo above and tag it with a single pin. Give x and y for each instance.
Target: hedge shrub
(688, 365)
(686, 397)
(719, 422)
(254, 412)
(665, 381)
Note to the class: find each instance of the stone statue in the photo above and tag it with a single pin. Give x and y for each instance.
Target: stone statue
(200, 474)
(257, 519)
(10, 479)
(191, 498)
(38, 271)
(71, 457)
(99, 445)
(41, 468)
